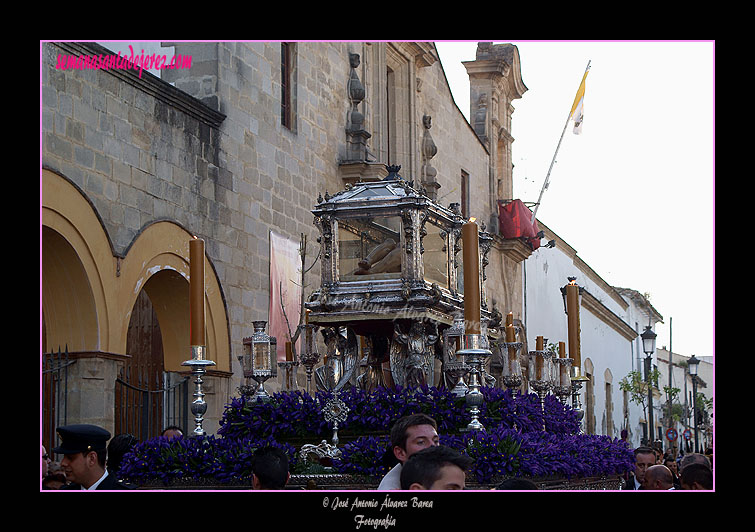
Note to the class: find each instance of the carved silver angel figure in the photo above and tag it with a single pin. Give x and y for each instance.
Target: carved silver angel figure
(412, 355)
(341, 360)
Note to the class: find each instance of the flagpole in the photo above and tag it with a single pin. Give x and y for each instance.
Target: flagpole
(547, 176)
(545, 184)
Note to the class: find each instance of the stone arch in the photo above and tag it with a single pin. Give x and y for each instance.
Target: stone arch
(609, 425)
(589, 396)
(157, 262)
(69, 306)
(106, 285)
(77, 260)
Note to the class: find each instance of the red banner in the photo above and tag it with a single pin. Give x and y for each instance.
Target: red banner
(515, 222)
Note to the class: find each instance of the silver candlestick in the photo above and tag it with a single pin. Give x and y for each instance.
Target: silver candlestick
(309, 355)
(309, 360)
(577, 380)
(457, 369)
(512, 370)
(562, 389)
(246, 388)
(541, 384)
(454, 367)
(288, 371)
(260, 376)
(198, 363)
(475, 355)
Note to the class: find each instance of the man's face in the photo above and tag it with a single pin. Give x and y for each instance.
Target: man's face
(418, 437)
(77, 466)
(451, 478)
(643, 461)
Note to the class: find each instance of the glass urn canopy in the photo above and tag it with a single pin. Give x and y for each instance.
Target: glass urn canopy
(387, 250)
(369, 248)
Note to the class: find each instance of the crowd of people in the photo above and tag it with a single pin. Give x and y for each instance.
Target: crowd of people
(418, 462)
(654, 470)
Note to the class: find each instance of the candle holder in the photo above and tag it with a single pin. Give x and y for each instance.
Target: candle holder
(309, 355)
(563, 389)
(288, 371)
(475, 354)
(257, 359)
(577, 380)
(512, 369)
(542, 384)
(198, 363)
(247, 389)
(457, 369)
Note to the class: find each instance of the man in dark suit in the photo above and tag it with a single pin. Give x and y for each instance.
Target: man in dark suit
(84, 454)
(644, 457)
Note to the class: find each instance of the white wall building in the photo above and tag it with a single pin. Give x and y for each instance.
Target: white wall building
(611, 321)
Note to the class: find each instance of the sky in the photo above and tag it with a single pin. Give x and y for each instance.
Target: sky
(633, 194)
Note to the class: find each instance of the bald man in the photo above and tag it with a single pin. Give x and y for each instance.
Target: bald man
(658, 477)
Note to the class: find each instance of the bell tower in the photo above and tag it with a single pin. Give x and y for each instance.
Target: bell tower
(495, 80)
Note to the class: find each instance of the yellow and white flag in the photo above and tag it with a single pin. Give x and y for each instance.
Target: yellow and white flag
(578, 109)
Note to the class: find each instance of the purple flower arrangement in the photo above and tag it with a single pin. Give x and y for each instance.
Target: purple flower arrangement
(296, 415)
(513, 444)
(364, 456)
(571, 456)
(162, 460)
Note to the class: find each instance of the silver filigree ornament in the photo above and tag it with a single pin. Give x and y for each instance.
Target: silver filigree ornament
(335, 411)
(319, 453)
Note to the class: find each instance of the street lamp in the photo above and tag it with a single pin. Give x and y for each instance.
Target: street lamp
(692, 364)
(648, 346)
(648, 341)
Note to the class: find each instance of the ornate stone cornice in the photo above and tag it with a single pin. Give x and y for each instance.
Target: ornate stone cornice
(591, 303)
(512, 248)
(423, 53)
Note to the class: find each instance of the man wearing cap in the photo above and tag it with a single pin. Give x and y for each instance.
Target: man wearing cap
(84, 453)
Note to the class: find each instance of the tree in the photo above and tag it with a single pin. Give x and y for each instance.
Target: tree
(636, 385)
(675, 411)
(704, 405)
